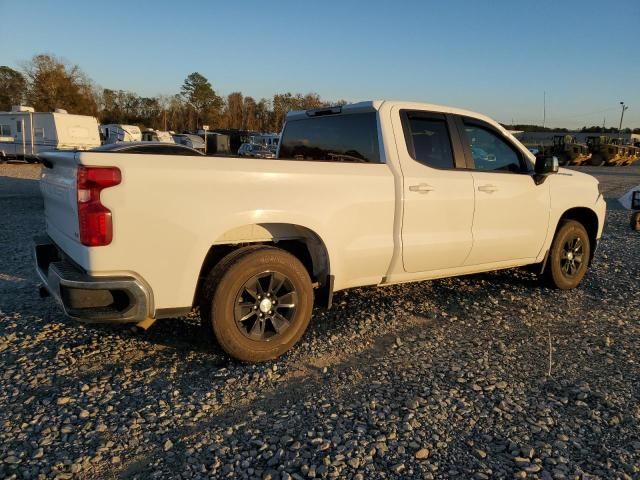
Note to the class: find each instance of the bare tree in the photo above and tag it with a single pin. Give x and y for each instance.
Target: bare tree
(234, 110)
(53, 84)
(249, 117)
(13, 88)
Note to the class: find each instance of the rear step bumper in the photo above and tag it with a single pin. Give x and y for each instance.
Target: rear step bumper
(118, 299)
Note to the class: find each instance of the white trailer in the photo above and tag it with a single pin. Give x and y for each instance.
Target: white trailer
(24, 133)
(151, 135)
(116, 133)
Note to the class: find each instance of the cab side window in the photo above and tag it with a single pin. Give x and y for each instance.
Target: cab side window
(490, 152)
(428, 140)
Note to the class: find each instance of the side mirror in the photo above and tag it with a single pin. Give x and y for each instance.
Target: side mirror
(546, 165)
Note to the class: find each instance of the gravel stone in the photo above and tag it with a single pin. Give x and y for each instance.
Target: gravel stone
(440, 379)
(422, 454)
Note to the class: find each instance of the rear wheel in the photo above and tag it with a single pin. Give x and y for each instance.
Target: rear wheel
(258, 303)
(597, 160)
(569, 256)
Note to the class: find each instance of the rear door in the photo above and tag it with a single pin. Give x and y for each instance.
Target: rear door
(437, 191)
(511, 211)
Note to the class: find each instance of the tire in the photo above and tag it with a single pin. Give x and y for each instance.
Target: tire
(571, 242)
(247, 325)
(597, 160)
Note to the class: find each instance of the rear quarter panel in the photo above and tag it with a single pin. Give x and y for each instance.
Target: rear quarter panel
(169, 210)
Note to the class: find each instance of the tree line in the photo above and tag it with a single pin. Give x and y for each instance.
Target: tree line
(592, 129)
(46, 82)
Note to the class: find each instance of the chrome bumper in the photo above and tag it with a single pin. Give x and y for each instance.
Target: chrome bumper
(86, 298)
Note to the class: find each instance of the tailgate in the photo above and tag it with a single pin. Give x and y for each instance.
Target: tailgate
(58, 185)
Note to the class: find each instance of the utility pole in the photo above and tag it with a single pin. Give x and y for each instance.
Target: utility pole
(205, 128)
(544, 109)
(624, 107)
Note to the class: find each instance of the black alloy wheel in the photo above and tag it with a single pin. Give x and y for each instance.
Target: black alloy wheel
(265, 306)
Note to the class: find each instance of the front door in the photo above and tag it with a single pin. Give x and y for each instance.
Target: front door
(438, 196)
(511, 211)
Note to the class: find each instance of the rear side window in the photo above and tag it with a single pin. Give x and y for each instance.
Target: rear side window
(428, 140)
(332, 138)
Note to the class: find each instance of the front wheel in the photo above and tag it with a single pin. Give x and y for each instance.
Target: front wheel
(569, 256)
(258, 302)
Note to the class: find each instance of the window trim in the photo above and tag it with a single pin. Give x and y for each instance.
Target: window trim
(463, 121)
(459, 163)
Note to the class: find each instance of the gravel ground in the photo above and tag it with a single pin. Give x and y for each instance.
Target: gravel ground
(485, 376)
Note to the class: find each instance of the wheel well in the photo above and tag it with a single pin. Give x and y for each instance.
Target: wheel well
(587, 218)
(309, 250)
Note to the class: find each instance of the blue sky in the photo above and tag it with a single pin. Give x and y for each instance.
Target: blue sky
(492, 56)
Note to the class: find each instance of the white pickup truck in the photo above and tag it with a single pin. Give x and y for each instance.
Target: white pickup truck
(373, 193)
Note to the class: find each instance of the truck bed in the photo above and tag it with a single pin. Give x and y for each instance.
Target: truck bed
(168, 211)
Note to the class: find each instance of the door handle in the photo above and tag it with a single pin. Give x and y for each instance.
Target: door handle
(487, 188)
(421, 188)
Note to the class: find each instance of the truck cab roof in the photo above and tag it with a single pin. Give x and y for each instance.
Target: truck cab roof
(377, 105)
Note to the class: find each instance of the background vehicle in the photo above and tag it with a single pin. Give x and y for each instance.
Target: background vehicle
(627, 153)
(25, 133)
(373, 193)
(634, 154)
(603, 151)
(151, 135)
(217, 143)
(255, 151)
(115, 132)
(268, 140)
(192, 141)
(569, 151)
(148, 148)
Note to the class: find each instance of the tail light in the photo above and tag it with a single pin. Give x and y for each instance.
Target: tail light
(94, 219)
